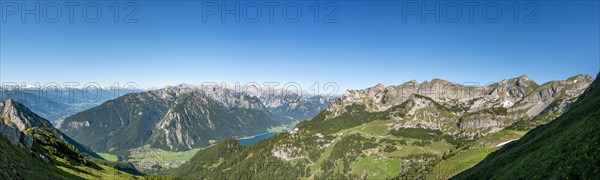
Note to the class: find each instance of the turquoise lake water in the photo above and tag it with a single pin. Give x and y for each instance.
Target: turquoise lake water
(252, 140)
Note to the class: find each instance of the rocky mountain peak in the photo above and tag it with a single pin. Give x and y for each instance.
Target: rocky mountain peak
(524, 77)
(436, 81)
(21, 116)
(7, 128)
(411, 82)
(8, 102)
(523, 80)
(16, 118)
(580, 77)
(592, 88)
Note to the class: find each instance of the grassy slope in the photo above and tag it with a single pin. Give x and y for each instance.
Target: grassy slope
(109, 157)
(567, 147)
(19, 163)
(459, 162)
(375, 167)
(344, 158)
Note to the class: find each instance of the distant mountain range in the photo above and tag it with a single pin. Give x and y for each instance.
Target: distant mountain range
(429, 130)
(57, 104)
(185, 117)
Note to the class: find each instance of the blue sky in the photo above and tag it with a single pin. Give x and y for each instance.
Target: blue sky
(170, 44)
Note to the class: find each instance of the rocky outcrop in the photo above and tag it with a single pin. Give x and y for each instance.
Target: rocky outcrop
(595, 86)
(17, 119)
(21, 117)
(14, 117)
(11, 133)
(556, 95)
(26, 140)
(431, 114)
(288, 153)
(480, 121)
(456, 108)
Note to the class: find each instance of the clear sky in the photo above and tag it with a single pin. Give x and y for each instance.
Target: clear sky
(355, 44)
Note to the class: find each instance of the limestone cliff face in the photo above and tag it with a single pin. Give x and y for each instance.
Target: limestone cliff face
(10, 131)
(21, 116)
(458, 108)
(561, 93)
(17, 118)
(193, 123)
(592, 88)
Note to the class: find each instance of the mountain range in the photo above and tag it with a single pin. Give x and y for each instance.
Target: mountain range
(462, 111)
(185, 117)
(430, 130)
